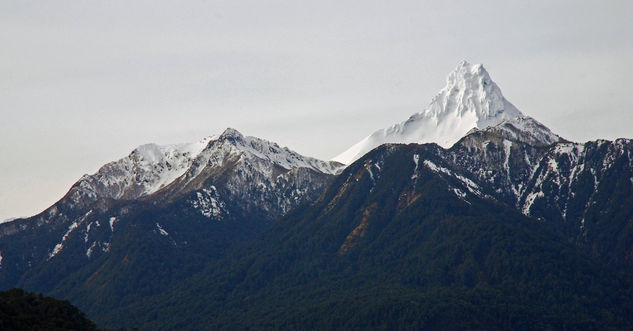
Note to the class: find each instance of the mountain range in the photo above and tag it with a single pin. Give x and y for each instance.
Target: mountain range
(469, 214)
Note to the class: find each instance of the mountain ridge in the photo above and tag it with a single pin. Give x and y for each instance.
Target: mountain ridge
(401, 239)
(100, 238)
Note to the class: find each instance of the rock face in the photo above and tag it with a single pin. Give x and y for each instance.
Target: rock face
(585, 189)
(256, 173)
(470, 100)
(188, 202)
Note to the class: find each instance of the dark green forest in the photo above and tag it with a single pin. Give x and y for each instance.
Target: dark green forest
(20, 310)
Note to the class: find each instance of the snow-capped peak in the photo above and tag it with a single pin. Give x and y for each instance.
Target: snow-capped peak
(525, 129)
(263, 149)
(149, 168)
(231, 133)
(469, 90)
(470, 100)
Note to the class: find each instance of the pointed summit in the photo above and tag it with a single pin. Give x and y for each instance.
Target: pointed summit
(232, 141)
(469, 89)
(470, 100)
(231, 133)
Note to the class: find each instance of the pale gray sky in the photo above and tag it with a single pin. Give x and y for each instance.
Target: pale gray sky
(82, 83)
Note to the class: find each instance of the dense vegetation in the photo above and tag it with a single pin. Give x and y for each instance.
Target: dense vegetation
(20, 310)
(143, 262)
(390, 252)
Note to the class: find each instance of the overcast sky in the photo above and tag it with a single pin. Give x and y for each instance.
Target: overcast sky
(83, 83)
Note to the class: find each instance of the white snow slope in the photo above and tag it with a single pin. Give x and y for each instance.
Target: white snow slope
(470, 100)
(147, 169)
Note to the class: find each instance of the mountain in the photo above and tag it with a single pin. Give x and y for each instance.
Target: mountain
(155, 216)
(500, 224)
(503, 230)
(470, 100)
(151, 167)
(402, 239)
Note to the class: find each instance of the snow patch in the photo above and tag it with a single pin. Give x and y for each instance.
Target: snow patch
(416, 159)
(436, 168)
(58, 248)
(87, 232)
(470, 185)
(460, 194)
(566, 148)
(507, 147)
(529, 200)
(91, 249)
(371, 174)
(112, 221)
(161, 230)
(208, 202)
